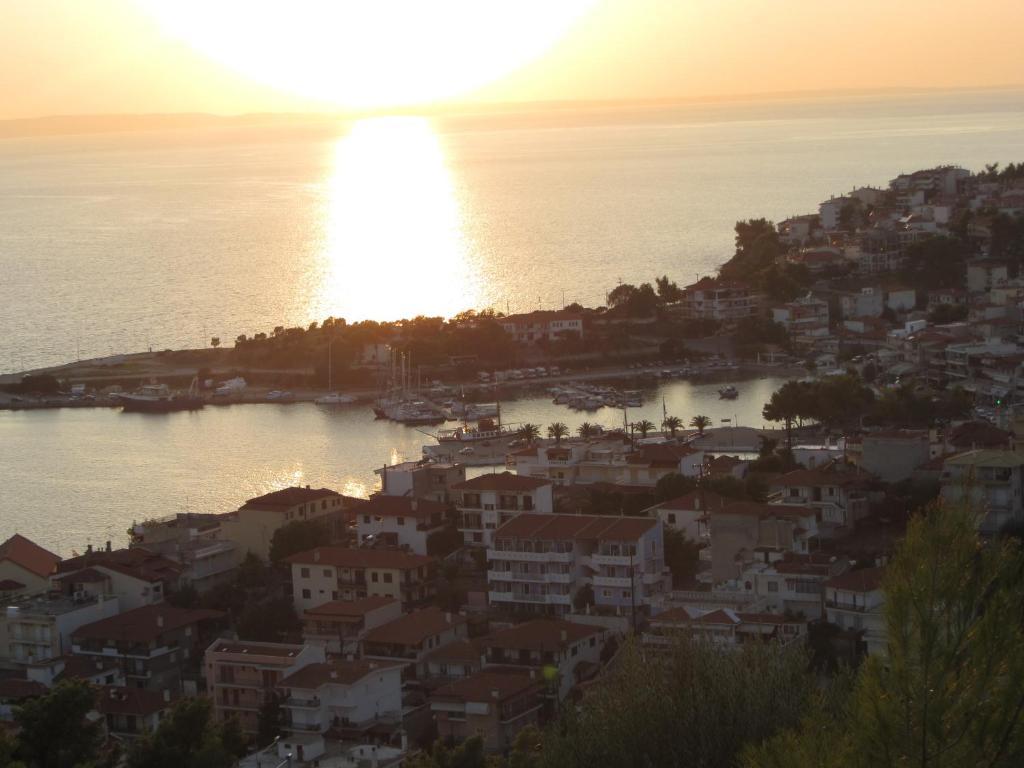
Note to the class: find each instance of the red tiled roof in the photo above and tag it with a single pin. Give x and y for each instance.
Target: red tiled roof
(115, 700)
(286, 652)
(18, 688)
(84, 667)
(345, 557)
(578, 527)
(337, 672)
(137, 562)
(460, 650)
(350, 609)
(695, 501)
(800, 478)
(29, 555)
(863, 580)
(501, 481)
(757, 509)
(402, 506)
(279, 501)
(978, 434)
(144, 624)
(415, 627)
(660, 454)
(540, 635)
(487, 686)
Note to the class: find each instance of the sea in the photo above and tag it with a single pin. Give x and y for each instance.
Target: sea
(169, 238)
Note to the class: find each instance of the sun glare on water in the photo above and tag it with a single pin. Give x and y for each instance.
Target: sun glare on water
(370, 53)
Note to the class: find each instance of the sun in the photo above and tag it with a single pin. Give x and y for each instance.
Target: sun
(370, 53)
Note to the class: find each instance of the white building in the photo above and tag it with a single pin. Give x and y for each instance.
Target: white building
(340, 625)
(990, 481)
(400, 521)
(409, 639)
(428, 480)
(854, 602)
(489, 501)
(547, 325)
(25, 567)
(36, 628)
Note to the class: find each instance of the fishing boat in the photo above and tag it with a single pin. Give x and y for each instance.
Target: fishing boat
(729, 392)
(159, 398)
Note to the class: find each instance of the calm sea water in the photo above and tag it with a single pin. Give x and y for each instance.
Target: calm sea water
(125, 242)
(76, 476)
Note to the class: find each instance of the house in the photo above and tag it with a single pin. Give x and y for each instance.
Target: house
(991, 482)
(854, 602)
(98, 672)
(340, 625)
(427, 480)
(489, 501)
(137, 577)
(985, 274)
(37, 628)
(797, 230)
(560, 463)
(574, 650)
(195, 541)
(893, 455)
(338, 573)
(540, 563)
(337, 695)
(157, 645)
(253, 526)
(15, 691)
(790, 583)
(805, 317)
(644, 466)
(720, 300)
(901, 299)
(741, 532)
(408, 639)
(454, 661)
(492, 705)
(243, 676)
(689, 513)
(723, 627)
(400, 521)
(25, 567)
(830, 212)
(836, 492)
(867, 302)
(818, 261)
(541, 325)
(130, 713)
(726, 466)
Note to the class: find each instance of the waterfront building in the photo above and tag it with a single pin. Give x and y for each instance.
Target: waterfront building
(25, 567)
(991, 482)
(546, 325)
(339, 573)
(340, 625)
(137, 577)
(540, 563)
(243, 676)
(720, 300)
(489, 501)
(400, 521)
(421, 479)
(854, 602)
(492, 705)
(836, 492)
(193, 540)
(408, 639)
(37, 628)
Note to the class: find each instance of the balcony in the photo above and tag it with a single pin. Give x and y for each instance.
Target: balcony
(306, 727)
(530, 557)
(599, 559)
(611, 581)
(300, 703)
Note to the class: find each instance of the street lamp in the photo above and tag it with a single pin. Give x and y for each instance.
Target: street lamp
(259, 763)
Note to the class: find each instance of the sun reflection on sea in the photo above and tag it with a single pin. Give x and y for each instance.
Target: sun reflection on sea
(394, 244)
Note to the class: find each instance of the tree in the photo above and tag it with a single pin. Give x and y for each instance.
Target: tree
(700, 423)
(215, 342)
(668, 291)
(672, 424)
(188, 738)
(672, 486)
(682, 556)
(786, 404)
(468, 754)
(271, 621)
(586, 430)
(557, 431)
(643, 427)
(297, 536)
(270, 722)
(529, 432)
(55, 729)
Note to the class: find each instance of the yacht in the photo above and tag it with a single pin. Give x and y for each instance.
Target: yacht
(158, 398)
(729, 392)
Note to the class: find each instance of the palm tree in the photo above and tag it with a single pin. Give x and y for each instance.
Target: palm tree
(643, 427)
(700, 423)
(529, 432)
(672, 423)
(557, 431)
(586, 429)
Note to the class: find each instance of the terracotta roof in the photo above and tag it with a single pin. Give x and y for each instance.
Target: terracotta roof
(137, 562)
(693, 615)
(279, 501)
(863, 580)
(757, 509)
(87, 576)
(9, 585)
(144, 624)
(578, 527)
(403, 506)
(18, 688)
(350, 609)
(415, 627)
(695, 501)
(460, 650)
(84, 667)
(337, 672)
(487, 686)
(29, 555)
(821, 476)
(501, 481)
(286, 652)
(345, 557)
(540, 635)
(978, 434)
(116, 700)
(660, 454)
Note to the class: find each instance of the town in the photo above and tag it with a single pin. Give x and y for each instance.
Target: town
(464, 610)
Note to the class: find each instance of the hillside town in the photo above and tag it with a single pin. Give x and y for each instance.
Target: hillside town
(459, 603)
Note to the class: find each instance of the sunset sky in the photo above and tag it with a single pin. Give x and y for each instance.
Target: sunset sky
(228, 56)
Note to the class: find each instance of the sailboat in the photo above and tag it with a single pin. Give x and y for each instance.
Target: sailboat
(332, 398)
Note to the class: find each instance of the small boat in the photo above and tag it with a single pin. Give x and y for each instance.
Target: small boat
(334, 398)
(279, 396)
(158, 398)
(728, 393)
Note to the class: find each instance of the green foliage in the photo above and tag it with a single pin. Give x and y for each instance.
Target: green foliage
(672, 424)
(297, 536)
(187, 738)
(529, 432)
(682, 556)
(444, 542)
(906, 407)
(668, 291)
(672, 486)
(270, 722)
(756, 331)
(586, 430)
(700, 423)
(54, 729)
(643, 427)
(835, 400)
(271, 621)
(557, 431)
(936, 262)
(947, 313)
(757, 248)
(468, 754)
(632, 300)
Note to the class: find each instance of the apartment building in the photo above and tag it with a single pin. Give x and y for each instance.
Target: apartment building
(131, 713)
(243, 676)
(340, 625)
(803, 318)
(489, 501)
(724, 301)
(991, 482)
(541, 325)
(25, 567)
(743, 531)
(37, 628)
(836, 492)
(338, 573)
(893, 455)
(408, 639)
(454, 661)
(789, 583)
(337, 694)
(195, 541)
(421, 479)
(156, 645)
(722, 627)
(492, 705)
(400, 521)
(689, 513)
(854, 602)
(539, 563)
(137, 577)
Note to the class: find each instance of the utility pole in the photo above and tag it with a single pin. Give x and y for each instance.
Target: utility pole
(632, 589)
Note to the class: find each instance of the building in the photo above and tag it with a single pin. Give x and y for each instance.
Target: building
(193, 540)
(893, 455)
(130, 713)
(854, 602)
(339, 573)
(803, 318)
(831, 210)
(156, 645)
(560, 463)
(489, 501)
(533, 327)
(644, 466)
(421, 480)
(137, 577)
(789, 583)
(492, 705)
(243, 676)
(253, 526)
(540, 563)
(742, 532)
(340, 625)
(837, 494)
(408, 639)
(400, 521)
(986, 274)
(25, 567)
(991, 482)
(867, 302)
(337, 696)
(723, 627)
(689, 513)
(719, 300)
(574, 650)
(37, 628)
(454, 661)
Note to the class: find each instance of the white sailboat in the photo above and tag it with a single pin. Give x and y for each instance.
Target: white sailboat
(332, 398)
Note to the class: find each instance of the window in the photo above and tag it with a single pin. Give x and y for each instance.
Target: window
(401, 520)
(366, 519)
(773, 586)
(672, 518)
(374, 577)
(387, 578)
(304, 573)
(606, 593)
(323, 505)
(328, 572)
(306, 594)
